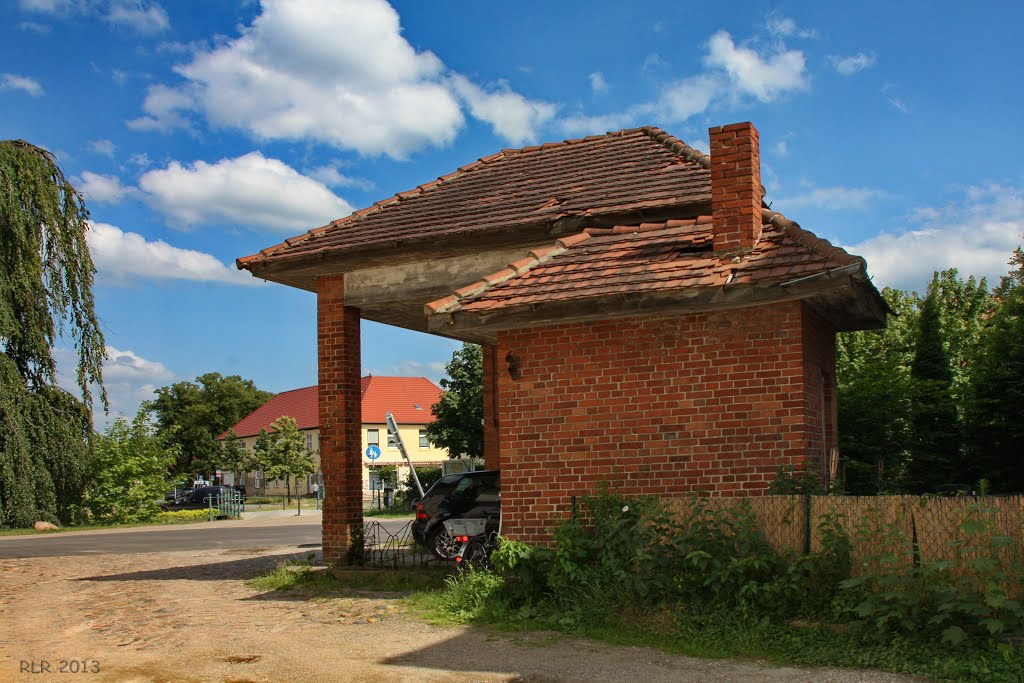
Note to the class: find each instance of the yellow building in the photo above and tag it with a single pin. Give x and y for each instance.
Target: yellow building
(407, 398)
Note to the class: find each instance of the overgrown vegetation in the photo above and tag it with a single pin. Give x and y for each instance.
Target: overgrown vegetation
(707, 582)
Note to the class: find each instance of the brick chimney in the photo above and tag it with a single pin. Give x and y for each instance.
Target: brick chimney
(736, 190)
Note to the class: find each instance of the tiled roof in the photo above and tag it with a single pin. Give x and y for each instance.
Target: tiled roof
(672, 255)
(636, 169)
(409, 399)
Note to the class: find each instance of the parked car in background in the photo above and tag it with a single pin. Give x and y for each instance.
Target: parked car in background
(467, 495)
(241, 489)
(197, 498)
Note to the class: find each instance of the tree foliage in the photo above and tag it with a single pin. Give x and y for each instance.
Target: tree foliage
(281, 453)
(46, 276)
(996, 410)
(191, 415)
(126, 473)
(935, 447)
(873, 370)
(46, 271)
(460, 411)
(934, 401)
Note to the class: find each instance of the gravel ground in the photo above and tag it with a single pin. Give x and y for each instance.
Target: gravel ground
(189, 617)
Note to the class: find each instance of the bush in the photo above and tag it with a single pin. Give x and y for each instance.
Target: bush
(176, 516)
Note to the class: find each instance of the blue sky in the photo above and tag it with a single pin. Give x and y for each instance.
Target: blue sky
(204, 131)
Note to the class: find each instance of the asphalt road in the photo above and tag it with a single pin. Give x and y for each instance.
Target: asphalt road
(290, 531)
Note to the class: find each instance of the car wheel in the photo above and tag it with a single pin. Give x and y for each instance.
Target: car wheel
(442, 544)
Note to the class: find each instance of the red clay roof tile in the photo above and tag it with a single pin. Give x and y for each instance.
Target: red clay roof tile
(380, 395)
(582, 177)
(673, 255)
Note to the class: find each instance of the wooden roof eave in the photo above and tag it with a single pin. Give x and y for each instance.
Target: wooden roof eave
(842, 300)
(301, 269)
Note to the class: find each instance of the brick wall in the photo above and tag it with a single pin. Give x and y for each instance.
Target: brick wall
(736, 190)
(819, 382)
(666, 406)
(340, 415)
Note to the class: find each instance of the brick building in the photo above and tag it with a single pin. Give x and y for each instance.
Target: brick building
(409, 399)
(646, 319)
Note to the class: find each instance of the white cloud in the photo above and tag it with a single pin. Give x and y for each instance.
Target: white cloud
(103, 188)
(142, 16)
(331, 177)
(598, 83)
(782, 148)
(975, 235)
(764, 77)
(163, 107)
(832, 198)
(122, 256)
(250, 191)
(512, 116)
(784, 27)
(733, 73)
(128, 378)
(104, 147)
(433, 370)
(33, 26)
(338, 72)
(16, 82)
(146, 18)
(847, 66)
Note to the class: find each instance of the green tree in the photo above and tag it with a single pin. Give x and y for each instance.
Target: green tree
(935, 448)
(460, 411)
(126, 473)
(234, 457)
(873, 371)
(996, 415)
(963, 308)
(46, 276)
(191, 415)
(281, 453)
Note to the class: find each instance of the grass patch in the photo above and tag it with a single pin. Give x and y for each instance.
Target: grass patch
(301, 576)
(387, 513)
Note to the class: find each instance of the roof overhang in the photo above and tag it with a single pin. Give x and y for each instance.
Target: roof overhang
(843, 297)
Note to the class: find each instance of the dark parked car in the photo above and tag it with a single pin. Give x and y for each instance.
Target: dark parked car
(197, 498)
(467, 495)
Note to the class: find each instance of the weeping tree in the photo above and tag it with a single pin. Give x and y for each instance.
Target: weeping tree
(46, 276)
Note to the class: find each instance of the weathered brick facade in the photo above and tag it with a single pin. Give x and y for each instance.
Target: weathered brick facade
(340, 415)
(667, 406)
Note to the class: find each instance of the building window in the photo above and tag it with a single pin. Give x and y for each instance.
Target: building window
(373, 437)
(309, 442)
(424, 441)
(391, 440)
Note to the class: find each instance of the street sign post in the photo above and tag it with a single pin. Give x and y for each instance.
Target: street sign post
(393, 431)
(372, 452)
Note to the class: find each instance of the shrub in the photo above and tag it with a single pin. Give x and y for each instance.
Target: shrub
(176, 516)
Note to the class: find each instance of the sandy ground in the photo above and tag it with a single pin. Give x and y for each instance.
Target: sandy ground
(189, 616)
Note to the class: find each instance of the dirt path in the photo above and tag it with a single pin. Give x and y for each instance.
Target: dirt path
(188, 616)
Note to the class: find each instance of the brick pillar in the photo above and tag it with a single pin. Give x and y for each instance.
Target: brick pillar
(492, 456)
(736, 191)
(340, 416)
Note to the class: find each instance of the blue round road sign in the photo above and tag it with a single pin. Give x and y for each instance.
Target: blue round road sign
(373, 452)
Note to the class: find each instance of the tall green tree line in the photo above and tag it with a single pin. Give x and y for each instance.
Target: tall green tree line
(929, 404)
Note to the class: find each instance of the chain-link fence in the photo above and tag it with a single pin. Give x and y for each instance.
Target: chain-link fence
(910, 530)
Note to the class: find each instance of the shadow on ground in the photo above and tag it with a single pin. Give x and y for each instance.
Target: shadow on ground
(243, 569)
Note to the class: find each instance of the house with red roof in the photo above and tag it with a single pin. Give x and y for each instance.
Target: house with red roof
(647, 318)
(409, 399)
